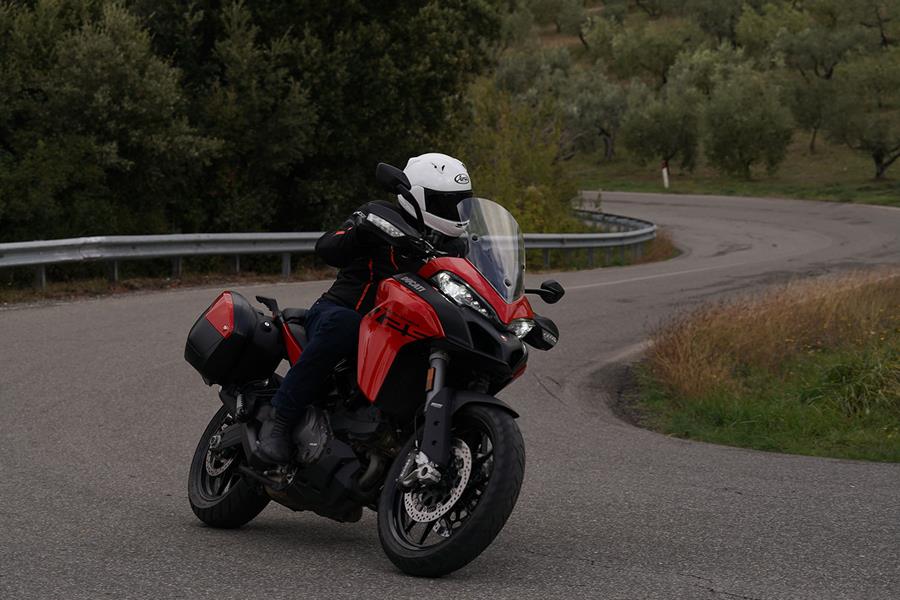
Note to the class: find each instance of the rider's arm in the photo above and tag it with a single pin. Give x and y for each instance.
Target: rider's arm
(338, 248)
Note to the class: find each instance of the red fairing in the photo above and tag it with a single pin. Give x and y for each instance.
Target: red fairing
(520, 309)
(400, 316)
(221, 314)
(293, 348)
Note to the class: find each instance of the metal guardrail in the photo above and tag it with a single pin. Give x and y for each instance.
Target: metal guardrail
(622, 233)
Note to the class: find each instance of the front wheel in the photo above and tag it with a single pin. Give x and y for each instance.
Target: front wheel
(440, 528)
(219, 495)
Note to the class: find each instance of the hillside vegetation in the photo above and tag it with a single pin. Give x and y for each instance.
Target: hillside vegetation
(795, 98)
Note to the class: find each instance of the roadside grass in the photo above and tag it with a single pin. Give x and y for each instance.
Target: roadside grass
(833, 172)
(810, 368)
(660, 248)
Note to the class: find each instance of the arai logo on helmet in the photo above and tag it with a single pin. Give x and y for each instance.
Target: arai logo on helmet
(461, 179)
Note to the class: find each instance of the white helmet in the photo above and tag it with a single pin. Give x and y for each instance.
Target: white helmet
(438, 183)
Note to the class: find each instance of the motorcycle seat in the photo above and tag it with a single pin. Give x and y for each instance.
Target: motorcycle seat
(295, 319)
(294, 315)
(299, 333)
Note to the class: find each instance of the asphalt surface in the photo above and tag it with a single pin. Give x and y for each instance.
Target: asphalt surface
(100, 417)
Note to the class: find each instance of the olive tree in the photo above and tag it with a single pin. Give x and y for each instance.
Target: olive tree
(866, 112)
(592, 107)
(650, 49)
(702, 68)
(746, 124)
(533, 72)
(810, 40)
(663, 126)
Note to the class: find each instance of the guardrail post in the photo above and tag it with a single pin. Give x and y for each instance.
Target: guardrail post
(607, 256)
(591, 257)
(638, 251)
(40, 277)
(176, 267)
(286, 265)
(112, 273)
(546, 258)
(237, 264)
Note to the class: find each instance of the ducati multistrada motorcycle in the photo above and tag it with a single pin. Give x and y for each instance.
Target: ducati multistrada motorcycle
(412, 428)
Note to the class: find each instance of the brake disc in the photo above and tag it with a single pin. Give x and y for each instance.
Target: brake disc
(215, 462)
(434, 501)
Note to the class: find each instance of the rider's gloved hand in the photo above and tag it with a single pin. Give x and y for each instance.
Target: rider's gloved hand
(365, 234)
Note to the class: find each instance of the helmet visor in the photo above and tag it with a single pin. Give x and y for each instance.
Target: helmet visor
(444, 204)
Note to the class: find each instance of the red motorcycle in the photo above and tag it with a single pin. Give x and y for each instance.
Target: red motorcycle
(412, 428)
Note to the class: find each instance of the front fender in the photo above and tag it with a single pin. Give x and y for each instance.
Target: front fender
(463, 398)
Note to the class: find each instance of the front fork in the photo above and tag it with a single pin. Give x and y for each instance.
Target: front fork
(426, 465)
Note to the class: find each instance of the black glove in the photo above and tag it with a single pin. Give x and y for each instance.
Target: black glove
(367, 234)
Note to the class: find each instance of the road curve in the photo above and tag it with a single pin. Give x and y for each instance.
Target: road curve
(100, 416)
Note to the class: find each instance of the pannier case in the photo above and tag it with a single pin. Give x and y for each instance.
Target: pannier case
(232, 341)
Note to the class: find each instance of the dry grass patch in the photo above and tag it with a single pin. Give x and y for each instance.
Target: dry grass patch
(812, 367)
(662, 247)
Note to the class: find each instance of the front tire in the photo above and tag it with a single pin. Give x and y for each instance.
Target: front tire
(493, 467)
(219, 495)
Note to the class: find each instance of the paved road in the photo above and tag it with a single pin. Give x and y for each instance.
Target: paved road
(101, 415)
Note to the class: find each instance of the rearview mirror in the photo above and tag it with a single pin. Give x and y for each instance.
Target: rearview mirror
(544, 335)
(550, 292)
(395, 181)
(390, 177)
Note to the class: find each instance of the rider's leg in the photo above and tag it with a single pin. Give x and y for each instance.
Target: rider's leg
(332, 332)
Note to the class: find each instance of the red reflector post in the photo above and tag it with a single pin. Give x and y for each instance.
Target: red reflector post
(221, 314)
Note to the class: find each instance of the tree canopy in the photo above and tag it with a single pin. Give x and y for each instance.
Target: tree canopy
(163, 116)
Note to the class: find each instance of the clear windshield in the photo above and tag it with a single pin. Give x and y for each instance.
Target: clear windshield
(496, 246)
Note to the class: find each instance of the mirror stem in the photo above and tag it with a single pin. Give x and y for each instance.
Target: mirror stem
(420, 218)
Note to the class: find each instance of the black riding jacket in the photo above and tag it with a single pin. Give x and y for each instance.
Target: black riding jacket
(364, 259)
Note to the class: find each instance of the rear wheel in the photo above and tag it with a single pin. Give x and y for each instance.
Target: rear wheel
(441, 528)
(219, 495)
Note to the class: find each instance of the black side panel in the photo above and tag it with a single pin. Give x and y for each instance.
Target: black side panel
(403, 390)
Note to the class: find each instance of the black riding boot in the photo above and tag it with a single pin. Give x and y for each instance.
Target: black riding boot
(275, 444)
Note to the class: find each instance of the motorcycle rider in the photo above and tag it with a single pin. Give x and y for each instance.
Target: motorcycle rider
(438, 182)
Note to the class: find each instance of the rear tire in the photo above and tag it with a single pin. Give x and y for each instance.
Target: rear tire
(222, 499)
(482, 510)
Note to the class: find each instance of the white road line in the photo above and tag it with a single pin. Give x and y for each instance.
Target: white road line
(657, 276)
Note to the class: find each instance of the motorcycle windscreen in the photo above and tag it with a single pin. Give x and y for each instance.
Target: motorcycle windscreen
(496, 246)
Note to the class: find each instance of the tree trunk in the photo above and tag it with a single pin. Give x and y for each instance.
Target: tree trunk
(880, 165)
(812, 141)
(583, 41)
(609, 151)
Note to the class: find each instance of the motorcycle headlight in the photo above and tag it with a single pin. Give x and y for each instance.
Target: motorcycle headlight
(521, 327)
(461, 293)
